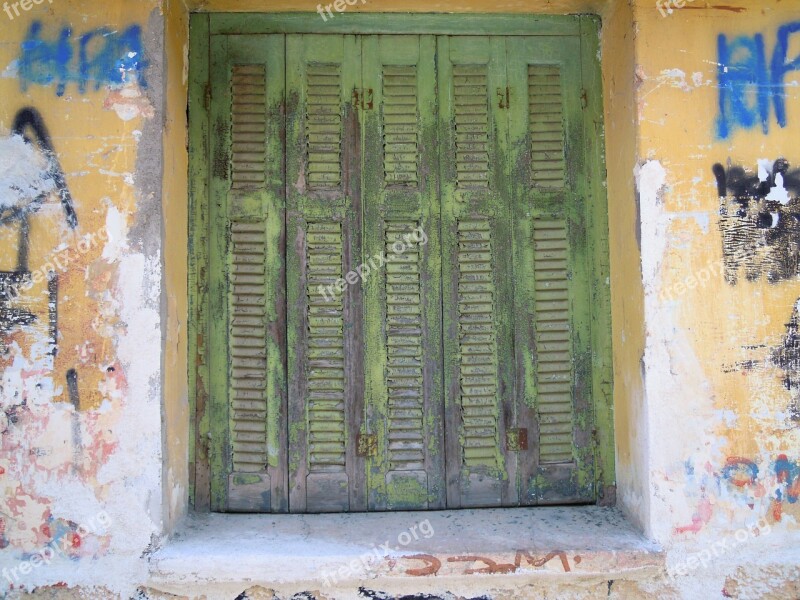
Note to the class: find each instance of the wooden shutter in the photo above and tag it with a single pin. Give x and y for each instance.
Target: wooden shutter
(552, 291)
(247, 359)
(477, 275)
(402, 298)
(325, 321)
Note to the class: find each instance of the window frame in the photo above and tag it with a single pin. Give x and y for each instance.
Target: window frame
(586, 27)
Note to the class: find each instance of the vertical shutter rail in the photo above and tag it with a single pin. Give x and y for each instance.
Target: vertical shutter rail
(553, 341)
(404, 366)
(546, 125)
(477, 343)
(325, 356)
(247, 347)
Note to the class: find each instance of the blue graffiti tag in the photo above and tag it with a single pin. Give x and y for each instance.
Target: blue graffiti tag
(105, 57)
(748, 87)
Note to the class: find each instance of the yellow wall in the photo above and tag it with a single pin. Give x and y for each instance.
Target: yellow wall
(715, 397)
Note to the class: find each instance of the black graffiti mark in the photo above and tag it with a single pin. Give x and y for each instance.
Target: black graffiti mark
(787, 357)
(30, 119)
(11, 317)
(760, 237)
(374, 595)
(737, 182)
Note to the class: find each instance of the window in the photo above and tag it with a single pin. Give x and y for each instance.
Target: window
(398, 278)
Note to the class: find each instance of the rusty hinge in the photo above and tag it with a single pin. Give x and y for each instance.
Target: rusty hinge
(516, 440)
(367, 444)
(504, 97)
(584, 99)
(362, 98)
(207, 97)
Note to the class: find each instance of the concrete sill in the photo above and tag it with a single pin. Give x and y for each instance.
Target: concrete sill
(220, 554)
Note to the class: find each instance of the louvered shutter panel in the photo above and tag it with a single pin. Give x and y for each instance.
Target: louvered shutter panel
(402, 298)
(552, 330)
(477, 278)
(247, 364)
(325, 321)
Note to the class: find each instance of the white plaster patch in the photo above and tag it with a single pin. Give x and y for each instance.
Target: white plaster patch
(650, 179)
(764, 168)
(676, 78)
(23, 173)
(778, 191)
(11, 71)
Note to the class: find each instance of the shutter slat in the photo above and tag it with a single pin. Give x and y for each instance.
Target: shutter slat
(400, 116)
(554, 352)
(546, 123)
(248, 142)
(248, 337)
(324, 368)
(478, 351)
(323, 126)
(471, 113)
(404, 375)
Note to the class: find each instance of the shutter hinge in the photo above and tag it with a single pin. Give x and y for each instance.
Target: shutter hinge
(516, 440)
(367, 444)
(584, 99)
(207, 96)
(504, 97)
(362, 98)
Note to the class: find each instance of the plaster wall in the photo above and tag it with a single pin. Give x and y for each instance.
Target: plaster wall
(95, 424)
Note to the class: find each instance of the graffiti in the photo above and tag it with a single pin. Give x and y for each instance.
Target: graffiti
(783, 480)
(749, 88)
(28, 178)
(373, 595)
(760, 221)
(787, 357)
(768, 490)
(29, 120)
(105, 57)
(433, 565)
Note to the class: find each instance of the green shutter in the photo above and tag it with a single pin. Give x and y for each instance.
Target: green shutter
(551, 301)
(248, 439)
(455, 372)
(402, 298)
(325, 324)
(476, 272)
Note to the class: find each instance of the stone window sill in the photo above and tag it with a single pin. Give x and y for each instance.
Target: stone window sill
(426, 550)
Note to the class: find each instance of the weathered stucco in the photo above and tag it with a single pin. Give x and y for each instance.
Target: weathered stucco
(95, 422)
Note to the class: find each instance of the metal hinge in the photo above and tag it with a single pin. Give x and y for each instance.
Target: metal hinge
(584, 99)
(516, 440)
(362, 98)
(207, 97)
(367, 444)
(504, 97)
